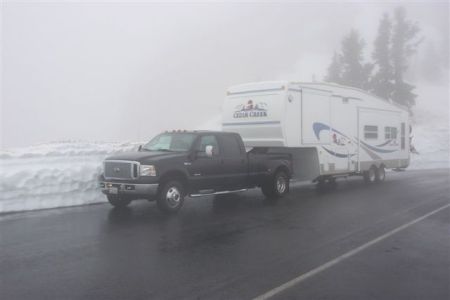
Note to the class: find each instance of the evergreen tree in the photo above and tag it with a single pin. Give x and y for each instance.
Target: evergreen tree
(334, 73)
(382, 81)
(404, 44)
(355, 73)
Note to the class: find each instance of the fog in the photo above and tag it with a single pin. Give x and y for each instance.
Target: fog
(116, 71)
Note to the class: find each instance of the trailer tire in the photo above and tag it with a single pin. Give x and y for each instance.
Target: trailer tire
(171, 197)
(277, 186)
(380, 174)
(370, 175)
(321, 185)
(117, 201)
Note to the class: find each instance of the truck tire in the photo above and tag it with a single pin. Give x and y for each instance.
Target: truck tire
(171, 197)
(277, 186)
(117, 201)
(370, 175)
(380, 175)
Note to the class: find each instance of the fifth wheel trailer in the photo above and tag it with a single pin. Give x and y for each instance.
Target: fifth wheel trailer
(330, 130)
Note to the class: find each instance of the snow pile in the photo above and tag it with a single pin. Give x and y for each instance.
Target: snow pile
(54, 174)
(431, 135)
(67, 148)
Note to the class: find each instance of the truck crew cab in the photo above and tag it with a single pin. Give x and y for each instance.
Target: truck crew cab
(195, 163)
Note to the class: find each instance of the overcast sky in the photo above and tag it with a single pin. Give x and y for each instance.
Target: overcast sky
(115, 71)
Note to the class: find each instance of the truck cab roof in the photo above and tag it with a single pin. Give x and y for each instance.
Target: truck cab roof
(200, 132)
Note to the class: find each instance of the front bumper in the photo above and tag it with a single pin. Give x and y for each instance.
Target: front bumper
(114, 188)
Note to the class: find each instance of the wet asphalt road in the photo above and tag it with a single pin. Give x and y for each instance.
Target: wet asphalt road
(239, 247)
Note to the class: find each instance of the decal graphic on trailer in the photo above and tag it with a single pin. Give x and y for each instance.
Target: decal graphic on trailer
(343, 140)
(251, 110)
(339, 139)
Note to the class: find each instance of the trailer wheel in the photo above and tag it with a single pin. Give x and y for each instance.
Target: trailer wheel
(117, 201)
(171, 197)
(380, 174)
(370, 175)
(277, 186)
(321, 184)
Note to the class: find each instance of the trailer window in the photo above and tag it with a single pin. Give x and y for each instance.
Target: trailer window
(370, 132)
(390, 133)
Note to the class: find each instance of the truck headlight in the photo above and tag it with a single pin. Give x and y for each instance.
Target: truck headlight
(147, 170)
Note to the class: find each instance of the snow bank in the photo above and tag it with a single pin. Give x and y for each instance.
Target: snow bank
(431, 135)
(53, 175)
(67, 148)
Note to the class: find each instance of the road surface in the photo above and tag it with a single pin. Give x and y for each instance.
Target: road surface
(380, 241)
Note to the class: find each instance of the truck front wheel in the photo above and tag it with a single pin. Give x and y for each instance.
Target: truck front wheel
(171, 197)
(277, 186)
(117, 201)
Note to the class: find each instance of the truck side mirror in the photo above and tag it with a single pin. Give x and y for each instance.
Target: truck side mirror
(209, 150)
(140, 148)
(208, 153)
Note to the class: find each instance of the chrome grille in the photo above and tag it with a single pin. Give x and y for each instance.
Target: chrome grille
(118, 169)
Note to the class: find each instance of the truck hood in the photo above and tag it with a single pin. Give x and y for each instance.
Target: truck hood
(146, 156)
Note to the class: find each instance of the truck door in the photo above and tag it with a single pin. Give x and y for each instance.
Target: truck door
(205, 171)
(233, 164)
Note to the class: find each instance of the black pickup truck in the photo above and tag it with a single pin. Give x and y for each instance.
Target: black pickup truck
(195, 163)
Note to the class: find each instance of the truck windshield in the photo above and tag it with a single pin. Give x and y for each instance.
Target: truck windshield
(170, 142)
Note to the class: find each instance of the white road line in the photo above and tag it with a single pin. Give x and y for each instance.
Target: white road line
(337, 260)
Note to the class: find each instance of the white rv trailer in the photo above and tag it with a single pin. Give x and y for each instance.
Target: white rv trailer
(329, 129)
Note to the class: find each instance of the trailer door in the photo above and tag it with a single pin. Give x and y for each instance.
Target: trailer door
(315, 125)
(315, 120)
(343, 149)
